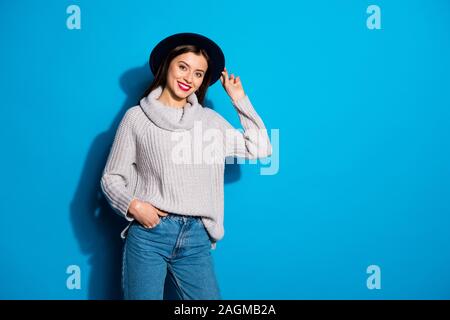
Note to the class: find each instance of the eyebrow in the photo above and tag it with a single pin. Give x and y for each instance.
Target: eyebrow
(189, 65)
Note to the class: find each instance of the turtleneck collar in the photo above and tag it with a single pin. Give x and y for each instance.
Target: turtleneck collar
(171, 118)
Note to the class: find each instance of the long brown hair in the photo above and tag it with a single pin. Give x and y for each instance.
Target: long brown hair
(161, 75)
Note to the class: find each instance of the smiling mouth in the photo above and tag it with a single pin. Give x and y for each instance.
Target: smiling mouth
(183, 86)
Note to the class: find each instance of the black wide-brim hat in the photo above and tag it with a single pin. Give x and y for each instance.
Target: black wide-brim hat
(161, 50)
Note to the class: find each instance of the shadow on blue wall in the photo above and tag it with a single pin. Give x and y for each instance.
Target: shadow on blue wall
(97, 227)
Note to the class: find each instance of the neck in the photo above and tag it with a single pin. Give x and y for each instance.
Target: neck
(170, 99)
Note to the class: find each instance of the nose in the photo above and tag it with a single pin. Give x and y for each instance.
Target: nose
(188, 78)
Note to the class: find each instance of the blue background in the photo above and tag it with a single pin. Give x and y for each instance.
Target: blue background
(363, 118)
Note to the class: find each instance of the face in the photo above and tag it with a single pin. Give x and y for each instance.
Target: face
(186, 73)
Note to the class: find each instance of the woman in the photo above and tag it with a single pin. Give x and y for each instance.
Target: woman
(163, 179)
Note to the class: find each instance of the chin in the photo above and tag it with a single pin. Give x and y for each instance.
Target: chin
(183, 94)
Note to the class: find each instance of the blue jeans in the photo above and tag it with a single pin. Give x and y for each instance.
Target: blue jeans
(178, 246)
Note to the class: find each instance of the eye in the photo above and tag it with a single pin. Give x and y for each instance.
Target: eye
(199, 74)
(181, 67)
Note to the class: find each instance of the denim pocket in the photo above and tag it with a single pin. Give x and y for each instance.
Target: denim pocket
(204, 230)
(161, 220)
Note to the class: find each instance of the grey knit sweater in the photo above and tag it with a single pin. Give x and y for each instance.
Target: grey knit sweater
(174, 158)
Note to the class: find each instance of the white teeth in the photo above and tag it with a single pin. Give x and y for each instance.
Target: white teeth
(183, 86)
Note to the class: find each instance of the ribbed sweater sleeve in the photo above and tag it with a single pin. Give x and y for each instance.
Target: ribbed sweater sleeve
(115, 181)
(254, 142)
